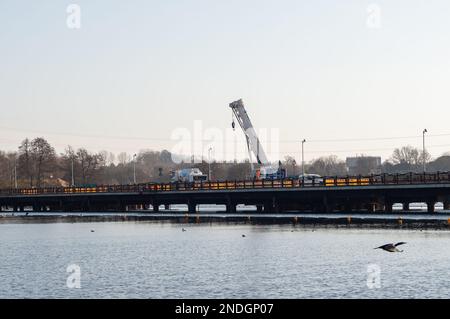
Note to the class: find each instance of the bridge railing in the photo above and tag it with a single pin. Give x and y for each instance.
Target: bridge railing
(329, 181)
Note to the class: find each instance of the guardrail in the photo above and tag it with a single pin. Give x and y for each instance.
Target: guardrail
(382, 179)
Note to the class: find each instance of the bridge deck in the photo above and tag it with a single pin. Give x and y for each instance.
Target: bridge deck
(373, 193)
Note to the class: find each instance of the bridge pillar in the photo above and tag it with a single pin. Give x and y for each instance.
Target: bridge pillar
(446, 205)
(348, 207)
(328, 205)
(259, 208)
(430, 206)
(15, 208)
(405, 206)
(192, 207)
(166, 206)
(268, 208)
(388, 207)
(155, 207)
(276, 206)
(231, 208)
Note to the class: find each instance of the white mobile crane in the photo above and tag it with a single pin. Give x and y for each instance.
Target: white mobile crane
(266, 170)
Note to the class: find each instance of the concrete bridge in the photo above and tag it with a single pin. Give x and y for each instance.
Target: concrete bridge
(336, 194)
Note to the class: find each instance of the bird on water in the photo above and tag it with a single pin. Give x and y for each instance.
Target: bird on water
(182, 229)
(391, 247)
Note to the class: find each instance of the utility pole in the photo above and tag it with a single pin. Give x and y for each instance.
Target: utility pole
(294, 163)
(15, 172)
(423, 150)
(209, 163)
(303, 157)
(73, 179)
(134, 168)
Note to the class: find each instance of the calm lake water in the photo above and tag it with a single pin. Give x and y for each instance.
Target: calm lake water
(159, 260)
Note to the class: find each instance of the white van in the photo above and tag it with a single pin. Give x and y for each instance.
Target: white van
(311, 179)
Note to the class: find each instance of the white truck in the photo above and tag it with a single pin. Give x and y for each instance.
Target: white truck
(188, 175)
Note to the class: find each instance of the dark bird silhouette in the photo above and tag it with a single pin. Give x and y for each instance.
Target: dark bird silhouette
(92, 230)
(243, 235)
(391, 247)
(182, 229)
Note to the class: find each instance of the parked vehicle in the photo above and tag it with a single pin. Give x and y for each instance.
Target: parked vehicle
(311, 179)
(188, 175)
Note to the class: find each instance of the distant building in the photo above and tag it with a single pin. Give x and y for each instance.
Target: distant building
(363, 165)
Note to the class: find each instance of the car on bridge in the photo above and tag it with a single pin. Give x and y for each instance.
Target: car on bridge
(311, 179)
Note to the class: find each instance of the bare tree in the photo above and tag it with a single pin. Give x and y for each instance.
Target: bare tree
(328, 166)
(89, 163)
(406, 155)
(123, 158)
(25, 161)
(43, 155)
(290, 163)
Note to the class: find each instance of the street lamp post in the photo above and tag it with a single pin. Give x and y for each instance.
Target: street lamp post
(73, 179)
(303, 157)
(15, 172)
(423, 150)
(209, 164)
(294, 163)
(134, 168)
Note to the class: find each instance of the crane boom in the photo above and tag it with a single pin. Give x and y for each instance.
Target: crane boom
(253, 143)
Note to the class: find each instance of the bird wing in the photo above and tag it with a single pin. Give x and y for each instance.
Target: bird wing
(385, 246)
(400, 243)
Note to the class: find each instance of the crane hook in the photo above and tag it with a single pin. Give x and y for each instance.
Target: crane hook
(232, 121)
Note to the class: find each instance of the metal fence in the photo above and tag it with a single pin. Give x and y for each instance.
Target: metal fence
(329, 181)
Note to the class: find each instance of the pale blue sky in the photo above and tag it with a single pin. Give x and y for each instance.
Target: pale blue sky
(313, 69)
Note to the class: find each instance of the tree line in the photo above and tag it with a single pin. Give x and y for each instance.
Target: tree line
(36, 164)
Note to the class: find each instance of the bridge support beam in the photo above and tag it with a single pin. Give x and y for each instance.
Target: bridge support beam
(192, 207)
(231, 208)
(446, 205)
(388, 207)
(430, 206)
(371, 207)
(328, 205)
(405, 206)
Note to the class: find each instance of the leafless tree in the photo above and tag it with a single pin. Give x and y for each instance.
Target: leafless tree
(328, 166)
(25, 161)
(89, 163)
(123, 158)
(42, 155)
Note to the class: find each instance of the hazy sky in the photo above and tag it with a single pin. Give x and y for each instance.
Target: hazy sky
(136, 71)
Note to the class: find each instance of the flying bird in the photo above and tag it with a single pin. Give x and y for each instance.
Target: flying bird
(391, 247)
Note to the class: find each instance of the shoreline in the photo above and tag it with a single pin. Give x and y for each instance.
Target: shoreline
(410, 221)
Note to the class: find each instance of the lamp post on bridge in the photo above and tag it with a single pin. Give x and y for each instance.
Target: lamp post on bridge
(134, 168)
(303, 157)
(73, 180)
(209, 163)
(423, 151)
